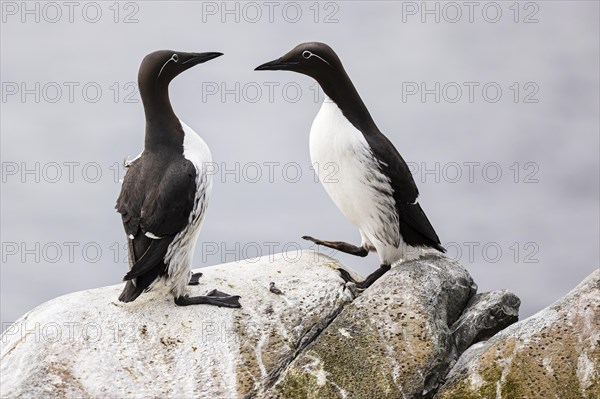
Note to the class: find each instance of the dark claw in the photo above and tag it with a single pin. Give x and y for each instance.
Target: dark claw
(366, 283)
(194, 280)
(371, 278)
(346, 276)
(309, 238)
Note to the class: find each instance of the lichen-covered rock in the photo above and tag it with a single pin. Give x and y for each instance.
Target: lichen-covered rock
(485, 315)
(393, 341)
(87, 344)
(552, 354)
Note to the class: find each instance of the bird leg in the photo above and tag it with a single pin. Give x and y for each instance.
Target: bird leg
(340, 246)
(366, 283)
(214, 297)
(194, 279)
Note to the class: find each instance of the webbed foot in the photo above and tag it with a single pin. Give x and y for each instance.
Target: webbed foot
(214, 297)
(366, 283)
(340, 246)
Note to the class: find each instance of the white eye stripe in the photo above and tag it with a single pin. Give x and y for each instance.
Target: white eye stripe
(174, 57)
(307, 54)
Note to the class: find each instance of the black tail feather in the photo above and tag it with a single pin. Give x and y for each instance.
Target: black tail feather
(152, 259)
(130, 292)
(133, 290)
(416, 229)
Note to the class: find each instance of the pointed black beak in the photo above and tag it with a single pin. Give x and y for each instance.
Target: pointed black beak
(275, 65)
(199, 58)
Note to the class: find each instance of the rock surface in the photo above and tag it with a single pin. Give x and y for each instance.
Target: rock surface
(552, 354)
(485, 315)
(87, 344)
(316, 339)
(393, 341)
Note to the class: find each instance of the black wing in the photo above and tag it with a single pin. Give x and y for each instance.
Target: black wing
(158, 202)
(415, 228)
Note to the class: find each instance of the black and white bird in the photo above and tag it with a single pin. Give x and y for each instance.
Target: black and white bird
(372, 186)
(166, 189)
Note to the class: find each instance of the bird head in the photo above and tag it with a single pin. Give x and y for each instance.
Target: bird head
(161, 67)
(313, 59)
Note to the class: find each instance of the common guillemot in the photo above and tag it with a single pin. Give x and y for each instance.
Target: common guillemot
(373, 186)
(165, 190)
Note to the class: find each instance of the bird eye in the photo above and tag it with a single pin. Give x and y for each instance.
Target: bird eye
(306, 54)
(175, 57)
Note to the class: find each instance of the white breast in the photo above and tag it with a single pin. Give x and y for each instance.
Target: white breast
(351, 176)
(194, 148)
(181, 251)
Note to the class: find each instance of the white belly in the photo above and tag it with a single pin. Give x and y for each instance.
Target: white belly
(180, 253)
(351, 176)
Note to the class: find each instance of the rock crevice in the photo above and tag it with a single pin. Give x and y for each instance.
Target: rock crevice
(554, 353)
(303, 342)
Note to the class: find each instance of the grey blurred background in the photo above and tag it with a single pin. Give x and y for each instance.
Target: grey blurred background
(534, 229)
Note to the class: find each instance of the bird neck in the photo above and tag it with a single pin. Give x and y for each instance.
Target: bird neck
(163, 128)
(342, 92)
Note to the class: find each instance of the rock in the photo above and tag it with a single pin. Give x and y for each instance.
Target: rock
(315, 337)
(87, 344)
(485, 315)
(393, 341)
(552, 354)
